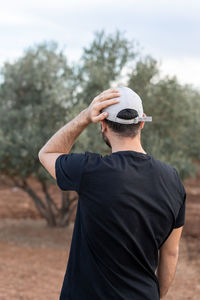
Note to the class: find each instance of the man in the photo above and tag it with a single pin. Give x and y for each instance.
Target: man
(131, 206)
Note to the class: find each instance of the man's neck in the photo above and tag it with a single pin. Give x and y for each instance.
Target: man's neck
(126, 144)
(129, 148)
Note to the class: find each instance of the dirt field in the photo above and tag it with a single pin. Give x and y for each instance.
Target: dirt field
(33, 257)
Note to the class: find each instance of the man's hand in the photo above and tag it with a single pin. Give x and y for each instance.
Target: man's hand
(100, 102)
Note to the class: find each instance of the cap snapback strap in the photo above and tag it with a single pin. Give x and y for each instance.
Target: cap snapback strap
(132, 121)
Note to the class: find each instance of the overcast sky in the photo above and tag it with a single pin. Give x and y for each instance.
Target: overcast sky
(169, 30)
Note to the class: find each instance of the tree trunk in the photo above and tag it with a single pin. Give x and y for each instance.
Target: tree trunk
(47, 207)
(67, 208)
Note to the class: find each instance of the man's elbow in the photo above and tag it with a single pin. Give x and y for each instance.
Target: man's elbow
(40, 155)
(174, 254)
(169, 252)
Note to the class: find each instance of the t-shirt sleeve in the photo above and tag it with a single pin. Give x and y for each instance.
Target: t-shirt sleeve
(180, 219)
(69, 169)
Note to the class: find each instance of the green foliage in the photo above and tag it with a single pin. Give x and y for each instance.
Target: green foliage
(173, 134)
(102, 62)
(37, 98)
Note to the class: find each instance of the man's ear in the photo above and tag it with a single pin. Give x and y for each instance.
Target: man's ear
(142, 123)
(103, 126)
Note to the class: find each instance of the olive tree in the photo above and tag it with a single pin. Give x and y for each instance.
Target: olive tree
(37, 97)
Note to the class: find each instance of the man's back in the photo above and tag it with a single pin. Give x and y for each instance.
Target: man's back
(129, 203)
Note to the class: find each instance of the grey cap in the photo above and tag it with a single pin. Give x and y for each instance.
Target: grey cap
(128, 99)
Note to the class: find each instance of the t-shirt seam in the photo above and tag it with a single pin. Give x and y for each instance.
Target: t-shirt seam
(57, 170)
(135, 155)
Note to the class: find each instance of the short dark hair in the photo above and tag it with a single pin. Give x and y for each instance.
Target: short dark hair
(125, 130)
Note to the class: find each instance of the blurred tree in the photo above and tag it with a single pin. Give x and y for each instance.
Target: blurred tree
(175, 111)
(36, 98)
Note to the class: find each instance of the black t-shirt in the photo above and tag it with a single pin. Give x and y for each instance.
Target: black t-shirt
(129, 202)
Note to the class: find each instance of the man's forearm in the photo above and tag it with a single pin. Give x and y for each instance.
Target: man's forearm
(63, 140)
(166, 272)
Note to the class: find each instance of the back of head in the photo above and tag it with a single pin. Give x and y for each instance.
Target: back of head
(125, 130)
(126, 116)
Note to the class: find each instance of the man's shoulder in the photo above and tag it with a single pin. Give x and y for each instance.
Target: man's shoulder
(158, 164)
(163, 166)
(92, 157)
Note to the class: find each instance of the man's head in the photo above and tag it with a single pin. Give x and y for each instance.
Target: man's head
(125, 119)
(122, 132)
